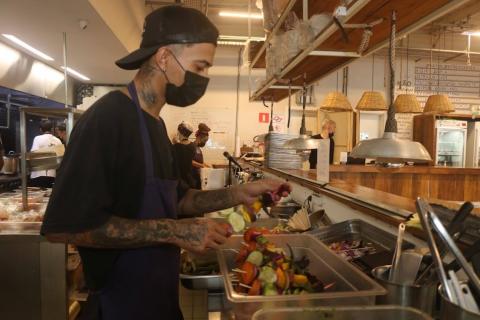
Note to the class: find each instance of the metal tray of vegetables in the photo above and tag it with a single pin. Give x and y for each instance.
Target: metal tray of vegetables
(265, 270)
(360, 242)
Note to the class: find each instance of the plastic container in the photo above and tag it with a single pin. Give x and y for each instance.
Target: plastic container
(352, 287)
(341, 313)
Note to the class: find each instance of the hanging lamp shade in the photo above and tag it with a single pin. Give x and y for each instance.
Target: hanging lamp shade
(407, 103)
(372, 101)
(303, 142)
(389, 149)
(336, 102)
(438, 103)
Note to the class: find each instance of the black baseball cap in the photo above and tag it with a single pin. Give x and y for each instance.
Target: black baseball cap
(172, 24)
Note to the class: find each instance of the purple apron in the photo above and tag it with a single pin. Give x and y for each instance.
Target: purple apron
(144, 282)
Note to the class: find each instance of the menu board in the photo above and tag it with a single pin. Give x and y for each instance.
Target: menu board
(460, 82)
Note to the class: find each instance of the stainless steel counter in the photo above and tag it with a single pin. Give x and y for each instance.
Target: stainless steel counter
(33, 282)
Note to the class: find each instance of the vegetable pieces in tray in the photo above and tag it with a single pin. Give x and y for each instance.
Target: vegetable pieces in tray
(352, 249)
(264, 269)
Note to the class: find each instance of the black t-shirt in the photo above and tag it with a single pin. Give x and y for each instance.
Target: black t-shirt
(313, 153)
(184, 155)
(103, 174)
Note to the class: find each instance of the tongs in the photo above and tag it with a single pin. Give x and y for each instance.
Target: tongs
(455, 292)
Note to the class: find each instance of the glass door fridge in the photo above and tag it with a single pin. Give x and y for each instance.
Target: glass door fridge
(473, 145)
(451, 143)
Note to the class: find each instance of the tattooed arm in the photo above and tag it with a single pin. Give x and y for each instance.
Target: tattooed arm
(196, 203)
(191, 234)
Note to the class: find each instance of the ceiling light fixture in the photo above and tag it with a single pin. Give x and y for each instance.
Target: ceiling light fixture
(237, 14)
(471, 33)
(28, 47)
(76, 73)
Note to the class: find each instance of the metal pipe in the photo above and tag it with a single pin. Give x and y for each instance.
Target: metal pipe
(237, 107)
(8, 107)
(23, 158)
(65, 67)
(440, 50)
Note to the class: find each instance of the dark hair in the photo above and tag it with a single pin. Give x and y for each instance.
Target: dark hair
(61, 127)
(46, 125)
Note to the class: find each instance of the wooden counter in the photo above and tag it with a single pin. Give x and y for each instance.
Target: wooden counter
(457, 184)
(382, 205)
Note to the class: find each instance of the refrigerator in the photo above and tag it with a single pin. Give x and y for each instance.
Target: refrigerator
(451, 143)
(473, 145)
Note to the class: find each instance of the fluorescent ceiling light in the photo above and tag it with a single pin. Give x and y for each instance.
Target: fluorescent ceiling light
(239, 38)
(28, 47)
(471, 33)
(237, 14)
(76, 73)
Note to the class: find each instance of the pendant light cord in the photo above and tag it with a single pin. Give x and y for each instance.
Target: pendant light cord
(373, 68)
(407, 83)
(391, 124)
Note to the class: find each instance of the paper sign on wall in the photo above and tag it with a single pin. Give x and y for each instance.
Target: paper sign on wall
(323, 161)
(264, 117)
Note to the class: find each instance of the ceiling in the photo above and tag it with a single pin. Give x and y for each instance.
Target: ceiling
(40, 23)
(93, 51)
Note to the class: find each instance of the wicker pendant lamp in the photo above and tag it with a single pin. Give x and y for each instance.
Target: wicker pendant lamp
(406, 102)
(336, 101)
(438, 103)
(372, 100)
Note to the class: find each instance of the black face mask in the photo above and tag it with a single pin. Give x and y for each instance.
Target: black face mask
(330, 135)
(192, 89)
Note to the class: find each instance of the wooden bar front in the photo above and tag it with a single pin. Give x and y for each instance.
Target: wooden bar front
(458, 184)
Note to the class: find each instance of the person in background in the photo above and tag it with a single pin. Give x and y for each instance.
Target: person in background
(2, 153)
(44, 178)
(184, 152)
(328, 131)
(61, 132)
(201, 138)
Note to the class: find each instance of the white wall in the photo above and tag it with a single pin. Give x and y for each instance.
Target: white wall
(21, 72)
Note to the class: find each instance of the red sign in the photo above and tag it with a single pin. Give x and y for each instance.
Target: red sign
(264, 117)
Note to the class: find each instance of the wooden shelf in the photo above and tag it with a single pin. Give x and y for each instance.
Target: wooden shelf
(411, 15)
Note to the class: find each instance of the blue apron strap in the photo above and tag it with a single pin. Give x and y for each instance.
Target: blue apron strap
(147, 147)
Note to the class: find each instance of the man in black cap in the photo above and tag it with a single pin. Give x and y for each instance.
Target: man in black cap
(120, 206)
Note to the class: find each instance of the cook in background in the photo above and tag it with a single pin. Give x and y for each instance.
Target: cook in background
(201, 138)
(61, 132)
(120, 207)
(328, 131)
(44, 178)
(2, 153)
(184, 152)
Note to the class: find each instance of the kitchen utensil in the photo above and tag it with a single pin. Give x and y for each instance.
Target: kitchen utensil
(419, 297)
(449, 310)
(471, 253)
(424, 209)
(442, 232)
(455, 228)
(398, 252)
(10, 163)
(408, 267)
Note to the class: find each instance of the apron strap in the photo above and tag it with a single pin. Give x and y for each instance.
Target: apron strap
(147, 147)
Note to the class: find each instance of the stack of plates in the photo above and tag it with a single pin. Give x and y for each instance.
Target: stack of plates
(277, 156)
